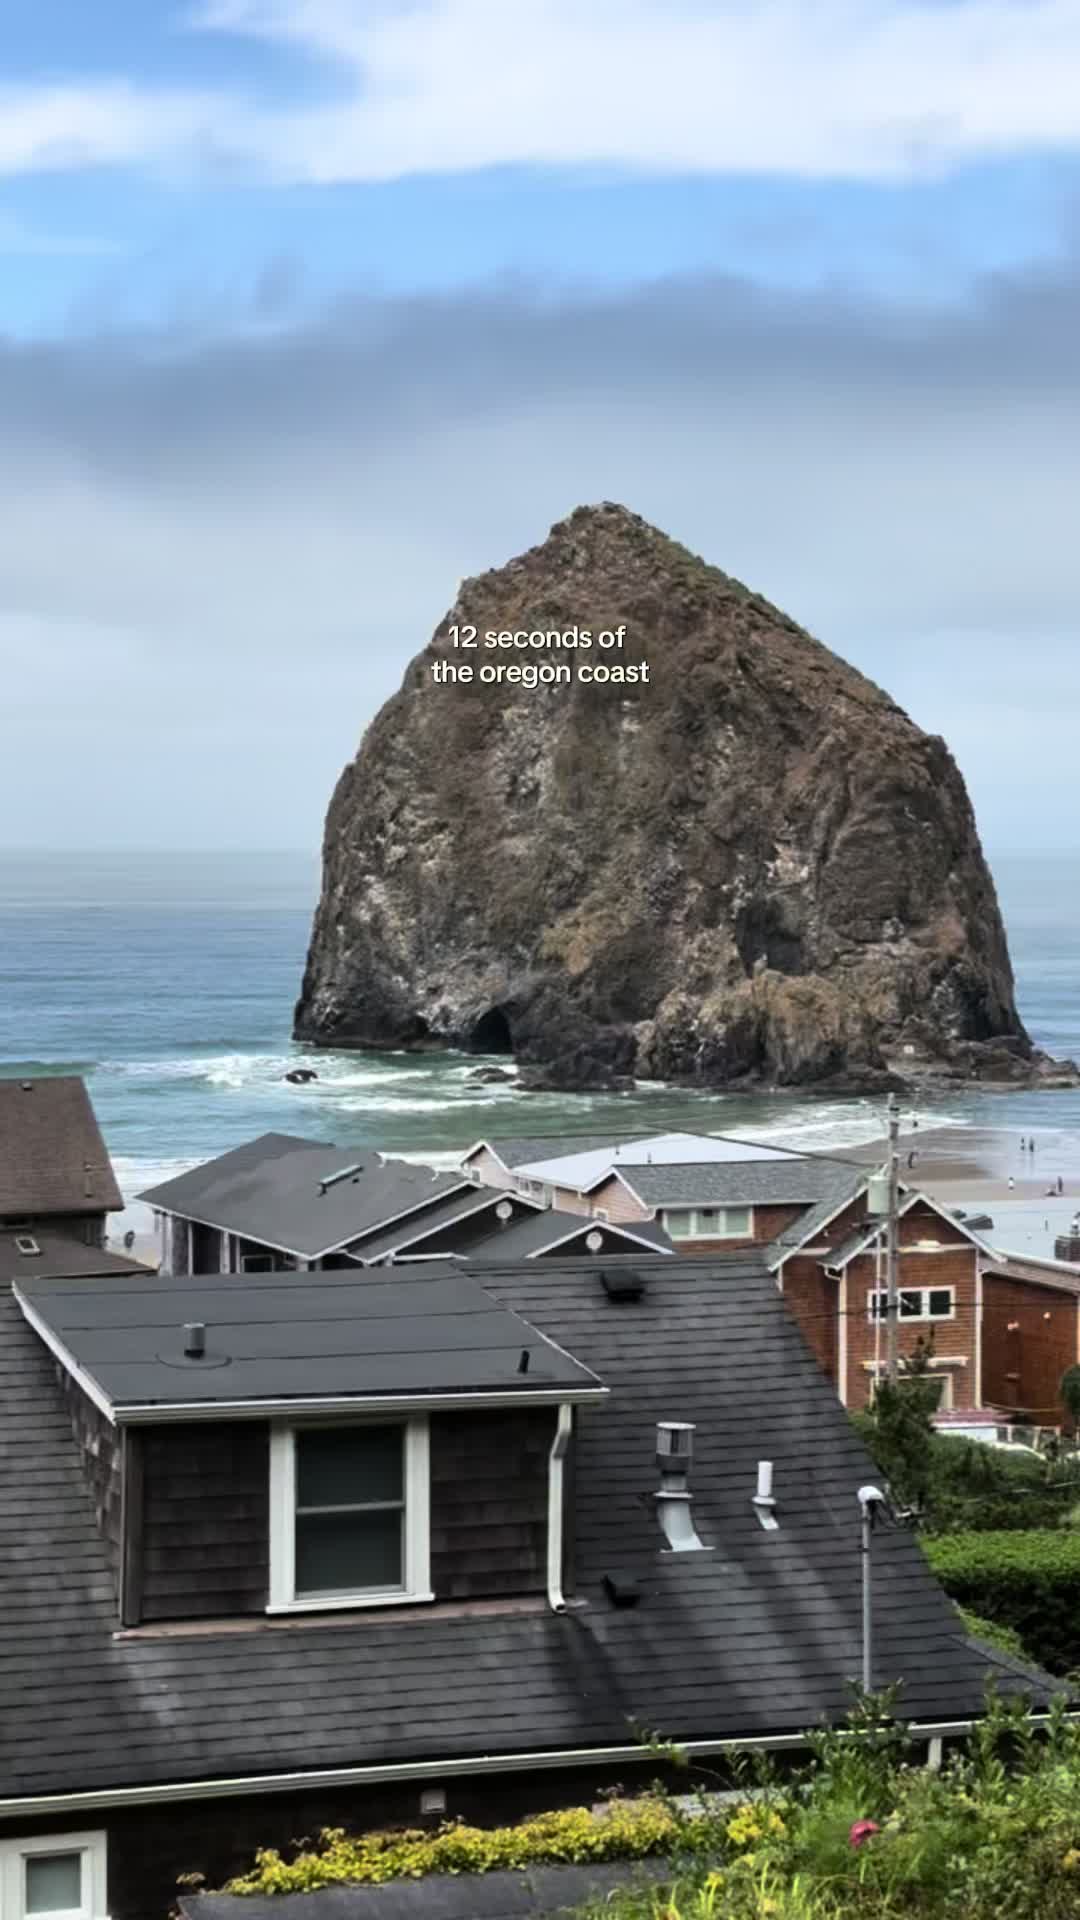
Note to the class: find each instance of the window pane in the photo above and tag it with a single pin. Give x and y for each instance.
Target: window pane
(706, 1217)
(347, 1553)
(677, 1223)
(347, 1466)
(53, 1882)
(941, 1301)
(738, 1220)
(910, 1306)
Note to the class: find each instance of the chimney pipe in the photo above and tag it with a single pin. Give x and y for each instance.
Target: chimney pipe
(674, 1453)
(195, 1340)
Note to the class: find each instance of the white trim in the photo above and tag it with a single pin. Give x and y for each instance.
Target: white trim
(415, 1523)
(802, 1246)
(493, 1198)
(842, 1340)
(92, 1847)
(977, 1395)
(696, 1233)
(587, 1223)
(559, 1448)
(914, 1197)
(922, 1319)
(153, 1412)
(67, 1360)
(448, 1768)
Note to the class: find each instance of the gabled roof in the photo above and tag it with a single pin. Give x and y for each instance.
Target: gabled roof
(467, 1202)
(57, 1254)
(866, 1234)
(783, 1180)
(514, 1153)
(585, 1168)
(52, 1156)
(841, 1191)
(301, 1197)
(760, 1636)
(530, 1238)
(279, 1339)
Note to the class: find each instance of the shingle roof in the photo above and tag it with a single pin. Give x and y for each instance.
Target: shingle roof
(759, 1636)
(458, 1205)
(845, 1185)
(280, 1337)
(52, 1156)
(527, 1238)
(739, 1183)
(58, 1254)
(269, 1190)
(518, 1152)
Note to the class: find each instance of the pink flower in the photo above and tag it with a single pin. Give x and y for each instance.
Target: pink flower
(861, 1831)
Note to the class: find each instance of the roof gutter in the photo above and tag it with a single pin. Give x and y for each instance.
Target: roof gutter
(446, 1768)
(159, 1413)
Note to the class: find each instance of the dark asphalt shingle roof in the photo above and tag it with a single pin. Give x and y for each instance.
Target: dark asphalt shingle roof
(288, 1336)
(58, 1255)
(760, 1636)
(52, 1156)
(528, 1238)
(269, 1190)
(845, 1185)
(414, 1230)
(521, 1152)
(739, 1183)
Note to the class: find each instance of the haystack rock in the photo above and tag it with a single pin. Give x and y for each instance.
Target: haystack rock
(751, 867)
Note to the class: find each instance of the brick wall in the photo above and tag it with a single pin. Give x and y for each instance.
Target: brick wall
(1029, 1338)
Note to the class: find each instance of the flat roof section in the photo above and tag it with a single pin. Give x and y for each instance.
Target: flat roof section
(276, 1340)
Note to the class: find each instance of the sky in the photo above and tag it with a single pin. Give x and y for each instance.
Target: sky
(309, 308)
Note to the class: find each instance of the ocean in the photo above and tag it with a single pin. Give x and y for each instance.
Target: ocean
(168, 980)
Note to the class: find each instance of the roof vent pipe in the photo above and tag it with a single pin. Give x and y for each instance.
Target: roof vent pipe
(674, 1453)
(763, 1502)
(195, 1340)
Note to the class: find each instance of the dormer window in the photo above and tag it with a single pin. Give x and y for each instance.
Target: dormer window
(349, 1515)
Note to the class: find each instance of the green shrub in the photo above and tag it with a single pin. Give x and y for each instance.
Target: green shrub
(1026, 1581)
(624, 1830)
(1004, 1638)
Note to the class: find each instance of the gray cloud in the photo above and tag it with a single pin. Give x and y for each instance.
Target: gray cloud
(217, 551)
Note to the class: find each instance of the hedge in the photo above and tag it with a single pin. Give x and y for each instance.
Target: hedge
(624, 1830)
(1026, 1581)
(1006, 1639)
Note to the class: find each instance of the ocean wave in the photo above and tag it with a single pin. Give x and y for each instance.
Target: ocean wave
(252, 1071)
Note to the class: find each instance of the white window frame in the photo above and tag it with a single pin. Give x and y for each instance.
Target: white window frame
(944, 1373)
(715, 1232)
(923, 1318)
(416, 1521)
(14, 1854)
(602, 1213)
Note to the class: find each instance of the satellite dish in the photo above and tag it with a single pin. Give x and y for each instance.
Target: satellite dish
(504, 1210)
(594, 1241)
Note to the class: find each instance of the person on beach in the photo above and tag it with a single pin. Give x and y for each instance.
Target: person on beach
(1060, 1184)
(1012, 1182)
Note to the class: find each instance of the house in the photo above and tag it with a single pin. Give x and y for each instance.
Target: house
(285, 1203)
(705, 1191)
(1031, 1336)
(364, 1548)
(55, 1171)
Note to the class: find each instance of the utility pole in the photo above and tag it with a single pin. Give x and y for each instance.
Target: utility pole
(892, 1239)
(871, 1500)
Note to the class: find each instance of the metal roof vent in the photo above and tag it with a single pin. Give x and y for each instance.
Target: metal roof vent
(195, 1340)
(763, 1502)
(622, 1286)
(674, 1453)
(344, 1173)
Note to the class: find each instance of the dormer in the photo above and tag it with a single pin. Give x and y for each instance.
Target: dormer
(269, 1445)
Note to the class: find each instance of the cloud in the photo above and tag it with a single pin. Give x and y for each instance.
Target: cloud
(217, 554)
(847, 88)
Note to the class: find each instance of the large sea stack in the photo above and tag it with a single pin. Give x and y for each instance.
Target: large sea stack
(752, 867)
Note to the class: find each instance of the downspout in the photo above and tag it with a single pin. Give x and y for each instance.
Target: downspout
(556, 1458)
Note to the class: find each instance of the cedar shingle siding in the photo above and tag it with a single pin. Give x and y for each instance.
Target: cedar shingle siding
(489, 1502)
(205, 1548)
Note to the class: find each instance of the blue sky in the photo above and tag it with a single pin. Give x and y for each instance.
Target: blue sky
(308, 307)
